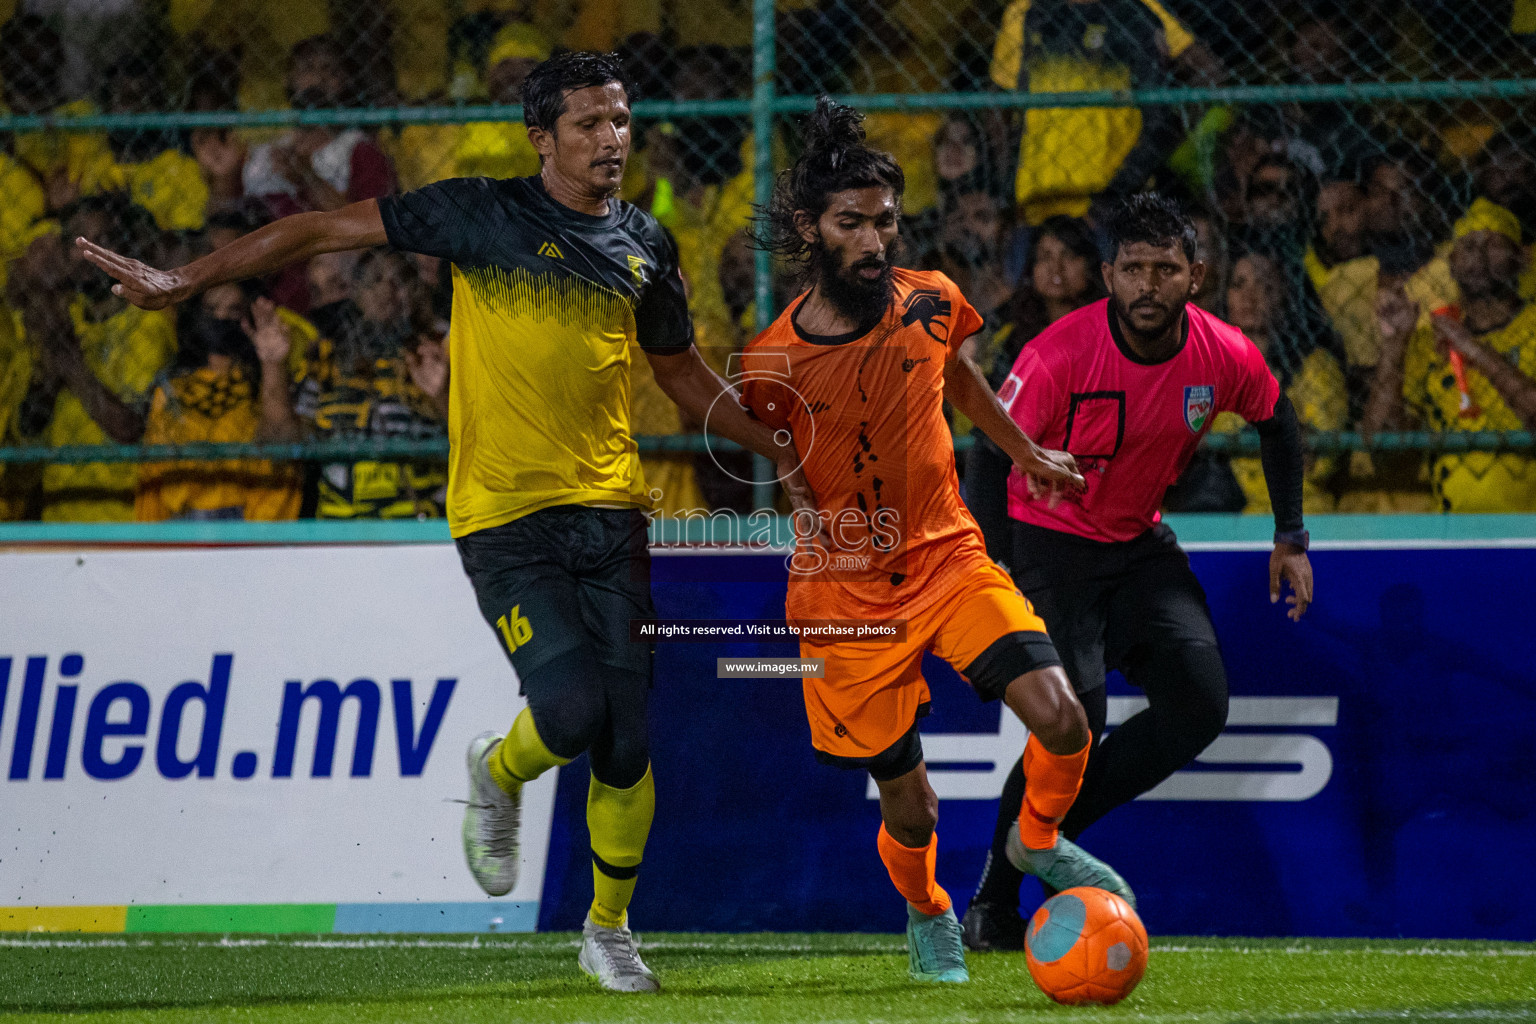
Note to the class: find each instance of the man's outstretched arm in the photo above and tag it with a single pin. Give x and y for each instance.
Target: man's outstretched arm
(285, 241)
(967, 390)
(709, 399)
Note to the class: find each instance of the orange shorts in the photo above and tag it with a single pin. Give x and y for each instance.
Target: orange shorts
(873, 693)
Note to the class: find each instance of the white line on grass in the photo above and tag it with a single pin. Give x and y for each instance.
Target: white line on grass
(497, 942)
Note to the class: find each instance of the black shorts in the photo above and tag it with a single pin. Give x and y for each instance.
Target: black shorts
(1107, 604)
(561, 579)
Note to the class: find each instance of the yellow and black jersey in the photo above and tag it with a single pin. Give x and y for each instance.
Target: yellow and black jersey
(546, 301)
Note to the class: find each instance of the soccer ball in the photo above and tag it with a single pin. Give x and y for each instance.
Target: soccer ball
(1086, 946)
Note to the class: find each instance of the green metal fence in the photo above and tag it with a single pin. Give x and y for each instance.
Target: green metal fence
(1429, 78)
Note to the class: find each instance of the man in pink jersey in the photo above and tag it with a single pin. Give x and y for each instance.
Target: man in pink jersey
(1128, 386)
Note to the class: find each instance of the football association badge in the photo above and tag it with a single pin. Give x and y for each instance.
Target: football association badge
(1199, 401)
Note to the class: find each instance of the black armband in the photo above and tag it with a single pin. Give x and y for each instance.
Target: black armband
(1281, 456)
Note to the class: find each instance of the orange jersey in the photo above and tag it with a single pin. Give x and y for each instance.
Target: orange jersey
(866, 413)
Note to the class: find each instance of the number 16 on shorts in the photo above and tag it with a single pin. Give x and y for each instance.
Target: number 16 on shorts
(514, 628)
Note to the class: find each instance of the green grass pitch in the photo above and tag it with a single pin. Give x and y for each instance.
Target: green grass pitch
(731, 978)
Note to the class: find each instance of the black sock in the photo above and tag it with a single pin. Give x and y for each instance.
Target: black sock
(1000, 879)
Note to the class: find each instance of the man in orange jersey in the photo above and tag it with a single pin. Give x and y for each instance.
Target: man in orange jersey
(855, 374)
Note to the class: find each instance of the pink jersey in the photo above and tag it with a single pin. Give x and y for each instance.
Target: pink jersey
(1132, 426)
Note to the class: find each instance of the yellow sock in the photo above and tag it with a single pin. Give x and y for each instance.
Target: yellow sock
(521, 756)
(619, 821)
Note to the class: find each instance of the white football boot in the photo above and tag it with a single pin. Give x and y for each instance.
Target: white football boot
(610, 956)
(491, 820)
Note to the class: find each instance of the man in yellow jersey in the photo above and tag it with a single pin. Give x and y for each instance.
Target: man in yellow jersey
(553, 277)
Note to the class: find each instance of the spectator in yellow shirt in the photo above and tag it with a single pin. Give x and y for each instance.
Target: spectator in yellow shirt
(1069, 156)
(1348, 280)
(19, 483)
(493, 149)
(41, 172)
(230, 384)
(149, 164)
(95, 357)
(1493, 331)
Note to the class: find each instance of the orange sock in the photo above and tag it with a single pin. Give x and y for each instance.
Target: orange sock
(912, 871)
(1051, 782)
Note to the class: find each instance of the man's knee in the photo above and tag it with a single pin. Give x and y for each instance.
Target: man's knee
(622, 752)
(567, 703)
(1044, 701)
(620, 760)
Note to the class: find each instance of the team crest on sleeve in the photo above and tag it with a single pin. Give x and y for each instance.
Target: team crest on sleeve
(927, 306)
(1008, 390)
(1199, 401)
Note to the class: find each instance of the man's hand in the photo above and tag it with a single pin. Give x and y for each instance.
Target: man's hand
(1396, 317)
(427, 364)
(1290, 562)
(1051, 473)
(139, 283)
(1453, 335)
(269, 333)
(290, 164)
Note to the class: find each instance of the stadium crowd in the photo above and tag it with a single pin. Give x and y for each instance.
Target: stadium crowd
(1377, 253)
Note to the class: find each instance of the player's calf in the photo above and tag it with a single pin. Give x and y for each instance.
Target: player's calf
(909, 809)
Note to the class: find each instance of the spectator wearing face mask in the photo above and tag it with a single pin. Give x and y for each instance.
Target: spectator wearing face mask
(230, 383)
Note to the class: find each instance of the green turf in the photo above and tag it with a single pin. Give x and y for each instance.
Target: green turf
(746, 978)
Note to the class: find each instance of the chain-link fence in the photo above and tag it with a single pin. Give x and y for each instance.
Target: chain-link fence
(1354, 169)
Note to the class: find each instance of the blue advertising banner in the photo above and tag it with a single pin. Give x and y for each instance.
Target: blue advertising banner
(1377, 776)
